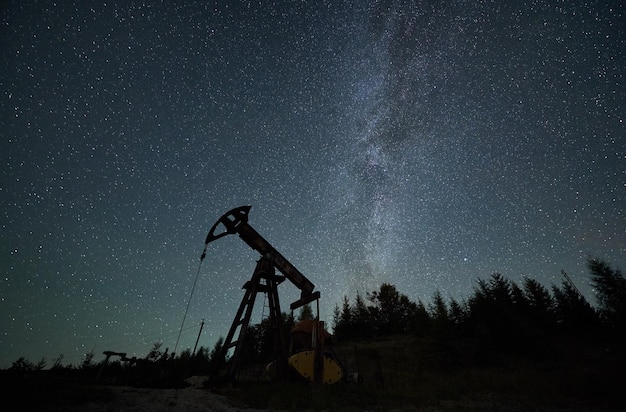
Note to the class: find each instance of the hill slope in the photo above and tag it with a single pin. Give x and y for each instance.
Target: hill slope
(410, 373)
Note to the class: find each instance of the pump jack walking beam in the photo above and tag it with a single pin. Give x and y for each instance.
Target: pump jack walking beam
(236, 221)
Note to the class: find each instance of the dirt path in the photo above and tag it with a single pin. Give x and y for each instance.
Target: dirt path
(194, 398)
(142, 400)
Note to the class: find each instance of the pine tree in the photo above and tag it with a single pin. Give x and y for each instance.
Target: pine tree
(342, 320)
(574, 315)
(306, 313)
(610, 286)
(491, 310)
(540, 304)
(392, 312)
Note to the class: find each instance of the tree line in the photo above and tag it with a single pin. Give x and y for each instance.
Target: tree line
(499, 312)
(160, 367)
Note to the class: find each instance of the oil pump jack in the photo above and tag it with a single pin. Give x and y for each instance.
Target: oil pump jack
(308, 354)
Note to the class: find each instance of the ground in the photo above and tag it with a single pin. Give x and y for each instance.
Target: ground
(110, 398)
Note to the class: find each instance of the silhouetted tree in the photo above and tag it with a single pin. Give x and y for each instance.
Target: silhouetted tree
(359, 320)
(392, 312)
(185, 354)
(574, 315)
(306, 313)
(491, 311)
(500, 313)
(88, 360)
(438, 308)
(362, 322)
(216, 357)
(422, 322)
(610, 287)
(442, 325)
(538, 305)
(336, 317)
(58, 362)
(259, 342)
(457, 312)
(24, 365)
(342, 324)
(155, 352)
(198, 363)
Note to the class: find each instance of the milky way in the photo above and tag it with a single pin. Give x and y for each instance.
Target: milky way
(423, 144)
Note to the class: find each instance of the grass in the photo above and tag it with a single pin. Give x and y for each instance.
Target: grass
(399, 373)
(411, 373)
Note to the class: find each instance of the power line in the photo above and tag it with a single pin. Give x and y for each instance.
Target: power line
(189, 301)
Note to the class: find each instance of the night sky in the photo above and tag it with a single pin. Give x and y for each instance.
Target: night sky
(425, 144)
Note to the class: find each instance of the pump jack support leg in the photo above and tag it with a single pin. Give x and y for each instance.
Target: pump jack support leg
(242, 321)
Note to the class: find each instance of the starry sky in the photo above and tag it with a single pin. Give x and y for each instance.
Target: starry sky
(425, 144)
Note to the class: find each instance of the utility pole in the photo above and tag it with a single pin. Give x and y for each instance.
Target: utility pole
(198, 338)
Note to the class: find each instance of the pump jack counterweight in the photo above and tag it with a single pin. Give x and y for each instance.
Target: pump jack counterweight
(265, 280)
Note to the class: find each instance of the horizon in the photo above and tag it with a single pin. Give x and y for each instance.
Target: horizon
(99, 356)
